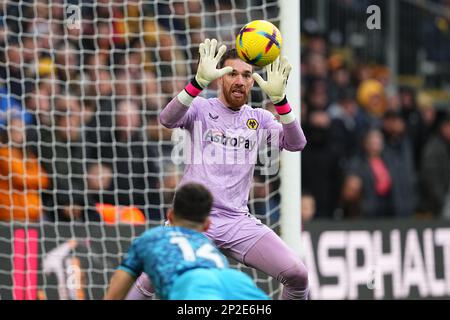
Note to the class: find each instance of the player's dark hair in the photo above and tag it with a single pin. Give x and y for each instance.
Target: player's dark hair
(230, 54)
(192, 202)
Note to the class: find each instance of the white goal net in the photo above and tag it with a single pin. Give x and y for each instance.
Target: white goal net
(85, 165)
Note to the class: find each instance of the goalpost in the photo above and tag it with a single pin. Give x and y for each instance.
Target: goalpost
(88, 82)
(290, 161)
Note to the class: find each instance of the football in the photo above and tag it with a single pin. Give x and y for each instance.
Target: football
(259, 43)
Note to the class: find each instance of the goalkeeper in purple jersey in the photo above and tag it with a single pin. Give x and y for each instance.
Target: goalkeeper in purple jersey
(227, 128)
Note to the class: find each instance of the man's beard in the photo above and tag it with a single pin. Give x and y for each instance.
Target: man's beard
(236, 103)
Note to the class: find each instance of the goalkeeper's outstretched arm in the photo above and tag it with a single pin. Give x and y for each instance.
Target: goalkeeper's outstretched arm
(176, 113)
(292, 136)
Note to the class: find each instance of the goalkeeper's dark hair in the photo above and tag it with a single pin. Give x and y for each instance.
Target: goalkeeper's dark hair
(230, 54)
(192, 202)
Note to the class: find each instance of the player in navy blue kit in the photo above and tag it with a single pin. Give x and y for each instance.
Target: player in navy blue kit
(181, 262)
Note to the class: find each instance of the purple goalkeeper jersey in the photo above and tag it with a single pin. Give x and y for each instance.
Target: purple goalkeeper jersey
(223, 147)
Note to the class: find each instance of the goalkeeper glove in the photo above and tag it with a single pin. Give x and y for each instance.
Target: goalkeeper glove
(207, 68)
(275, 86)
(206, 72)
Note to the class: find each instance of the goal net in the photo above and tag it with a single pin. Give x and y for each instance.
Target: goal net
(85, 164)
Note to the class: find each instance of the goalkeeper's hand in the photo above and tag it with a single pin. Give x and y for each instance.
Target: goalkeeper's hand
(207, 68)
(277, 75)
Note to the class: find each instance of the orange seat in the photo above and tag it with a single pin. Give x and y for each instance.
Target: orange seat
(112, 214)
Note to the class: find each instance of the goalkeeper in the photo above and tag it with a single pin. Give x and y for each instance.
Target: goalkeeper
(221, 123)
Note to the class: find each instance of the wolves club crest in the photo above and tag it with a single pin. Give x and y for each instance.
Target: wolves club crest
(252, 124)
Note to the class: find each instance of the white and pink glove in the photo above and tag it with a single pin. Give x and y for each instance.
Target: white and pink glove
(275, 87)
(206, 72)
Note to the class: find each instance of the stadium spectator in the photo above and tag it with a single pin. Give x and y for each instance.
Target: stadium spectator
(350, 199)
(57, 10)
(21, 176)
(381, 74)
(119, 24)
(104, 36)
(3, 32)
(436, 38)
(371, 97)
(38, 104)
(101, 198)
(398, 155)
(9, 104)
(340, 80)
(360, 73)
(134, 12)
(101, 9)
(133, 160)
(321, 164)
(93, 61)
(29, 48)
(346, 130)
(428, 115)
(61, 152)
(168, 60)
(151, 90)
(45, 32)
(100, 189)
(317, 44)
(159, 134)
(317, 95)
(190, 33)
(371, 168)
(99, 106)
(13, 70)
(308, 206)
(126, 86)
(180, 16)
(413, 120)
(221, 16)
(132, 60)
(67, 65)
(316, 69)
(70, 208)
(153, 102)
(435, 170)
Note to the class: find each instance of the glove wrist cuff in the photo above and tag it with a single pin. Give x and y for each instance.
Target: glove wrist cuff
(193, 88)
(282, 107)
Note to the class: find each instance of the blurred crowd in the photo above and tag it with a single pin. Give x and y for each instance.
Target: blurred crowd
(81, 89)
(371, 152)
(79, 123)
(80, 136)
